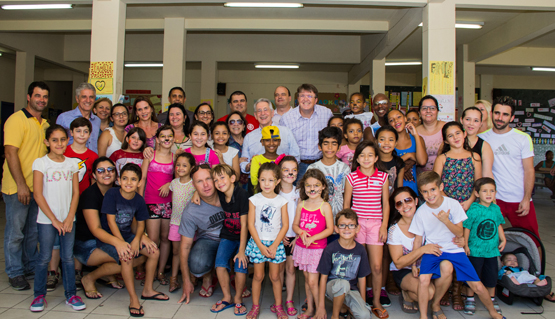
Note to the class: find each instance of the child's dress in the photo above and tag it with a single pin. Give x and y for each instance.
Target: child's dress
(181, 196)
(458, 178)
(158, 175)
(210, 157)
(312, 222)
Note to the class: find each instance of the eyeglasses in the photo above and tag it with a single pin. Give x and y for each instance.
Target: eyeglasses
(308, 96)
(431, 108)
(350, 226)
(119, 115)
(204, 113)
(399, 204)
(108, 170)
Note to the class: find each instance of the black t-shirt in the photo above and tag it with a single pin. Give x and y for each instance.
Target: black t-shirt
(237, 207)
(392, 168)
(92, 199)
(124, 210)
(340, 263)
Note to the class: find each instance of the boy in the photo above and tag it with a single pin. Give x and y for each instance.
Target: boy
(271, 141)
(484, 239)
(343, 267)
(438, 220)
(233, 238)
(120, 207)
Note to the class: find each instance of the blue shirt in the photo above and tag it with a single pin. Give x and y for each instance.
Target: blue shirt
(124, 210)
(67, 117)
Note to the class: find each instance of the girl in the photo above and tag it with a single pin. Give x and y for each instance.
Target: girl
(268, 223)
(200, 150)
(112, 138)
(313, 224)
(144, 117)
(289, 168)
(131, 149)
(205, 113)
(414, 117)
(182, 191)
(368, 188)
(158, 173)
(56, 181)
(336, 121)
(358, 106)
(226, 154)
(393, 164)
(458, 165)
(471, 120)
(352, 131)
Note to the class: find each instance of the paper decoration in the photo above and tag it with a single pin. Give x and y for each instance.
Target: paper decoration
(534, 104)
(529, 109)
(529, 120)
(441, 74)
(519, 113)
(549, 124)
(446, 107)
(543, 109)
(526, 124)
(532, 129)
(539, 116)
(545, 135)
(551, 102)
(536, 124)
(101, 75)
(546, 129)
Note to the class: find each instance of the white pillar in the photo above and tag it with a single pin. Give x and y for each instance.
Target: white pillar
(466, 78)
(377, 77)
(208, 82)
(486, 87)
(173, 72)
(24, 75)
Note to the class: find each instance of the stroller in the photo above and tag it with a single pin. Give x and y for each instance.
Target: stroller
(520, 243)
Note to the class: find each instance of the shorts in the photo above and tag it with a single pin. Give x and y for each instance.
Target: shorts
(369, 231)
(463, 268)
(227, 251)
(160, 210)
(289, 248)
(398, 275)
(486, 268)
(353, 300)
(528, 222)
(82, 250)
(255, 256)
(307, 259)
(174, 235)
(110, 249)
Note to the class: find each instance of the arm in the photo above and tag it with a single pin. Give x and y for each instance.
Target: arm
(538, 167)
(93, 222)
(144, 169)
(68, 222)
(400, 176)
(135, 244)
(457, 229)
(409, 156)
(235, 165)
(184, 250)
(401, 261)
(421, 154)
(368, 134)
(347, 195)
(466, 236)
(529, 177)
(502, 238)
(476, 161)
(487, 160)
(43, 205)
(282, 232)
(439, 163)
(111, 218)
(385, 211)
(23, 191)
(246, 154)
(321, 311)
(103, 142)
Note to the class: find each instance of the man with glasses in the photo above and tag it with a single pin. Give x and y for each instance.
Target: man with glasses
(177, 95)
(282, 97)
(305, 122)
(238, 102)
(380, 106)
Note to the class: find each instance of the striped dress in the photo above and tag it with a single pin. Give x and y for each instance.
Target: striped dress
(367, 193)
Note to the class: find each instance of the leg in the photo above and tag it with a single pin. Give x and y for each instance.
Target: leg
(290, 279)
(276, 282)
(14, 235)
(175, 258)
(337, 304)
(46, 235)
(484, 296)
(257, 282)
(423, 295)
(165, 247)
(107, 266)
(150, 267)
(441, 284)
(201, 263)
(312, 282)
(376, 255)
(68, 264)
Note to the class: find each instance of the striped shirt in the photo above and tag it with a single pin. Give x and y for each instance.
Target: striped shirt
(367, 193)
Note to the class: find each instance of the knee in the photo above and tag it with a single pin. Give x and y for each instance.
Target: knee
(258, 276)
(175, 251)
(274, 277)
(376, 269)
(424, 281)
(477, 287)
(312, 282)
(344, 286)
(290, 269)
(446, 268)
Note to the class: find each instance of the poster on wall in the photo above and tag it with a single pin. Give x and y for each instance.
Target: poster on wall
(446, 107)
(441, 75)
(101, 76)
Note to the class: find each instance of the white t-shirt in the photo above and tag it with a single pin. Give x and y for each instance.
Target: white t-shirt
(396, 237)
(292, 199)
(268, 215)
(365, 118)
(425, 224)
(336, 175)
(229, 155)
(57, 186)
(508, 151)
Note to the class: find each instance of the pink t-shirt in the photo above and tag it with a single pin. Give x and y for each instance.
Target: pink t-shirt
(158, 175)
(202, 159)
(346, 155)
(367, 193)
(313, 222)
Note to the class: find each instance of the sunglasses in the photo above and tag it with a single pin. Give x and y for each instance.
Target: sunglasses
(102, 170)
(239, 122)
(350, 226)
(399, 204)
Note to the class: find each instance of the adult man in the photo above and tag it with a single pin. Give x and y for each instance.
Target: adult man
(85, 94)
(380, 107)
(513, 166)
(23, 144)
(251, 144)
(238, 102)
(306, 121)
(176, 95)
(206, 221)
(282, 96)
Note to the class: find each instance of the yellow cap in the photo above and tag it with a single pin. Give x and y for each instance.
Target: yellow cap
(270, 132)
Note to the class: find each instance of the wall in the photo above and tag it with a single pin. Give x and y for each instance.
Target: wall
(7, 79)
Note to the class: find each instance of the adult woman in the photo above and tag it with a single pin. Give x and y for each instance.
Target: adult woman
(430, 129)
(143, 116)
(546, 167)
(101, 108)
(177, 119)
(238, 127)
(111, 139)
(485, 108)
(410, 147)
(205, 113)
(471, 120)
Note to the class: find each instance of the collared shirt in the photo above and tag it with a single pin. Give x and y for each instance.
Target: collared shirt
(367, 193)
(67, 117)
(253, 147)
(306, 129)
(277, 117)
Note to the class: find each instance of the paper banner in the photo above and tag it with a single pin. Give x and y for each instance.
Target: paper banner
(543, 109)
(446, 107)
(441, 74)
(529, 120)
(539, 116)
(101, 75)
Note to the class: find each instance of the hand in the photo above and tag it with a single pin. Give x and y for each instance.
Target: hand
(264, 250)
(220, 155)
(467, 250)
(466, 204)
(434, 249)
(552, 171)
(286, 241)
(320, 314)
(134, 249)
(148, 153)
(68, 225)
(196, 198)
(242, 259)
(149, 245)
(304, 237)
(443, 216)
(272, 251)
(124, 250)
(411, 129)
(248, 167)
(188, 288)
(243, 159)
(415, 271)
(59, 226)
(524, 207)
(164, 190)
(459, 241)
(24, 194)
(408, 170)
(502, 245)
(293, 244)
(383, 233)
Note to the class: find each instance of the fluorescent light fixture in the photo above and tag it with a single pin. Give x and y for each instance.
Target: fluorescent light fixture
(276, 66)
(35, 6)
(262, 5)
(543, 69)
(465, 25)
(403, 63)
(143, 65)
(0, 54)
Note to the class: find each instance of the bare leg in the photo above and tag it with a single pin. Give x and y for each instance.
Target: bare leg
(337, 304)
(484, 296)
(257, 282)
(223, 279)
(276, 283)
(175, 258)
(165, 245)
(423, 295)
(442, 284)
(376, 257)
(290, 280)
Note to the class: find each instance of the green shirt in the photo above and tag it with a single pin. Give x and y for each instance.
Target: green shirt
(483, 223)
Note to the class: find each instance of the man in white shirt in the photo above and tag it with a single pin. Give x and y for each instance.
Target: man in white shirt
(282, 97)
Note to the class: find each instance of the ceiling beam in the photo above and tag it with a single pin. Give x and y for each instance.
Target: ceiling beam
(523, 56)
(541, 5)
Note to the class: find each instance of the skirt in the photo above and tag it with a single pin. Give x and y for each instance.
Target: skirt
(255, 256)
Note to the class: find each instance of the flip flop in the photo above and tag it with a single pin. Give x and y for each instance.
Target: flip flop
(405, 305)
(95, 292)
(210, 290)
(226, 305)
(380, 313)
(551, 295)
(136, 315)
(159, 294)
(238, 307)
(109, 284)
(438, 313)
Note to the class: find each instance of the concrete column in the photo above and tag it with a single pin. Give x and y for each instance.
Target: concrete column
(438, 44)
(173, 72)
(486, 87)
(466, 78)
(108, 38)
(208, 82)
(352, 88)
(24, 75)
(377, 77)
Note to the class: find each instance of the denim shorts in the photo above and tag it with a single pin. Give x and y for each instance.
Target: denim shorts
(110, 249)
(82, 250)
(226, 251)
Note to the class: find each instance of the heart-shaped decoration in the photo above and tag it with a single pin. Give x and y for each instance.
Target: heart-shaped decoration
(100, 85)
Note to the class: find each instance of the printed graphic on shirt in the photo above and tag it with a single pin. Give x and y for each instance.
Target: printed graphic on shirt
(57, 175)
(266, 216)
(392, 175)
(345, 266)
(216, 220)
(486, 230)
(82, 167)
(232, 222)
(124, 216)
(501, 151)
(334, 186)
(309, 221)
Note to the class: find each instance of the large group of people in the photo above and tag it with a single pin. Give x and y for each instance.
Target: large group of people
(358, 203)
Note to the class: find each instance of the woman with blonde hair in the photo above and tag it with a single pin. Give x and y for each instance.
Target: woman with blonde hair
(485, 108)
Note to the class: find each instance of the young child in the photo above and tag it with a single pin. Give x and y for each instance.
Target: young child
(343, 268)
(313, 224)
(289, 169)
(131, 149)
(352, 131)
(271, 141)
(368, 188)
(80, 130)
(336, 121)
(158, 173)
(517, 274)
(56, 182)
(358, 104)
(458, 165)
(395, 166)
(268, 222)
(439, 220)
(226, 154)
(198, 133)
(182, 190)
(482, 246)
(233, 238)
(120, 208)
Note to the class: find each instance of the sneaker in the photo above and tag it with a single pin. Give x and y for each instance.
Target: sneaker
(369, 297)
(30, 276)
(76, 303)
(38, 304)
(19, 283)
(78, 277)
(52, 281)
(470, 307)
(496, 305)
(384, 299)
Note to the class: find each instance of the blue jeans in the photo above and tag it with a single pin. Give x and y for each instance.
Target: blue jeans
(20, 236)
(302, 169)
(226, 251)
(203, 256)
(47, 236)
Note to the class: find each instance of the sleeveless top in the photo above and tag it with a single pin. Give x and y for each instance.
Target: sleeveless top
(547, 175)
(158, 175)
(458, 178)
(478, 146)
(313, 222)
(116, 144)
(432, 148)
(401, 152)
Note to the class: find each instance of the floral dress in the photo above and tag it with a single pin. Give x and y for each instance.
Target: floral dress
(458, 178)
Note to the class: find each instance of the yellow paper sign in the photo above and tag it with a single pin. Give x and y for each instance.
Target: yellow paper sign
(101, 76)
(441, 77)
(425, 86)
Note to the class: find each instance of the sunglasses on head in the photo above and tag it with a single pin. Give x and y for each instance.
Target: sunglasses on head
(399, 204)
(102, 170)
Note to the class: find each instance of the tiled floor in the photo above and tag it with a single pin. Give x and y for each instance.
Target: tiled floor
(15, 304)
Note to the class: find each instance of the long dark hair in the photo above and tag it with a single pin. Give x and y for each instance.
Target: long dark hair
(134, 117)
(211, 110)
(361, 146)
(244, 133)
(132, 131)
(186, 121)
(446, 146)
(395, 215)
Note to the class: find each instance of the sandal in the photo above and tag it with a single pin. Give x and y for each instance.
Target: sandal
(456, 298)
(93, 294)
(140, 275)
(291, 311)
(162, 279)
(281, 313)
(407, 306)
(255, 311)
(304, 316)
(470, 307)
(238, 307)
(174, 284)
(438, 314)
(445, 300)
(380, 313)
(136, 315)
(208, 292)
(115, 284)
(226, 305)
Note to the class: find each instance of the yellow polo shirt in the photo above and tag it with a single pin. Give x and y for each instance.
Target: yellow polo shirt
(23, 131)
